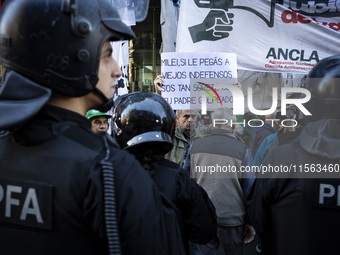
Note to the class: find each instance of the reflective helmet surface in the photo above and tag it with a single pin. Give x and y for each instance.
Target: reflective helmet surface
(58, 43)
(144, 120)
(323, 81)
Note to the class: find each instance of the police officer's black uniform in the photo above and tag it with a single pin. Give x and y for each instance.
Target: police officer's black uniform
(144, 125)
(196, 213)
(51, 191)
(299, 214)
(64, 190)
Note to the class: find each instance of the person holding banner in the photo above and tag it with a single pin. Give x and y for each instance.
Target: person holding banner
(158, 82)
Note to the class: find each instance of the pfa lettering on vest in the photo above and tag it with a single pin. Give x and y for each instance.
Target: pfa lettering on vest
(327, 194)
(26, 203)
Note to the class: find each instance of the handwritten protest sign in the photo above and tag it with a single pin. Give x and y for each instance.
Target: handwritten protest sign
(211, 94)
(178, 69)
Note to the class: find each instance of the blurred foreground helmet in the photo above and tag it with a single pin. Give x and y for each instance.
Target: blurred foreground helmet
(323, 82)
(144, 120)
(57, 43)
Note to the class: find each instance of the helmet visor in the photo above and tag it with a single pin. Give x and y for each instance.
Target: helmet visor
(137, 7)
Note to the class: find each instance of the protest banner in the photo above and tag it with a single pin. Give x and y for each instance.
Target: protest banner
(266, 35)
(178, 69)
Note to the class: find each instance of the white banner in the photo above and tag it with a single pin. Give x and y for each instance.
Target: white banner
(120, 53)
(267, 36)
(169, 23)
(178, 69)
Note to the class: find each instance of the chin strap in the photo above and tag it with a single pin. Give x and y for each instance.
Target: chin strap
(107, 106)
(108, 101)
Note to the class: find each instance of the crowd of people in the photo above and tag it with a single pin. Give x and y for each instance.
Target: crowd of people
(163, 181)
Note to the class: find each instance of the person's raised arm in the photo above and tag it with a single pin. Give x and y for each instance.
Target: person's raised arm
(158, 82)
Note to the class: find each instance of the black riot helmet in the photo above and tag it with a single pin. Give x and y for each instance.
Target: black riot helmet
(57, 43)
(323, 82)
(144, 121)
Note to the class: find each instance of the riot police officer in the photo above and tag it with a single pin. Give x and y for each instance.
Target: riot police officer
(297, 211)
(64, 190)
(144, 124)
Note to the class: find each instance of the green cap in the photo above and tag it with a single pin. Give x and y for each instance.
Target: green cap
(94, 113)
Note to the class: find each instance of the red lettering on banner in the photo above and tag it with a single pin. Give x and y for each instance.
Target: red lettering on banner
(334, 26)
(303, 19)
(289, 16)
(320, 23)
